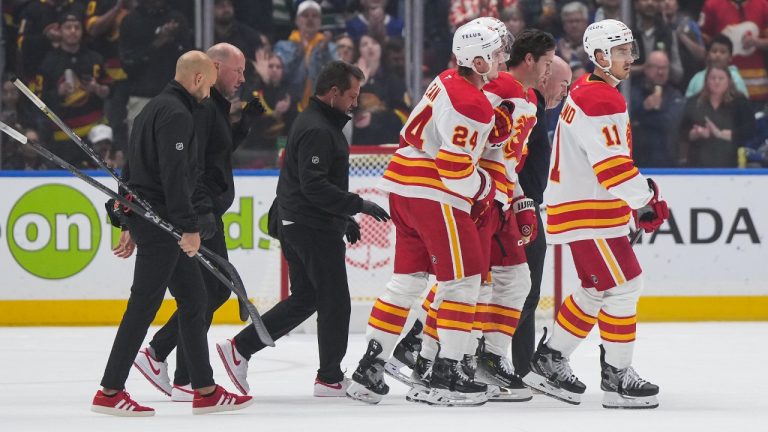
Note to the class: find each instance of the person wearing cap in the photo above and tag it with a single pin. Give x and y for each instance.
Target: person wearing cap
(304, 53)
(102, 139)
(73, 82)
(228, 29)
(39, 31)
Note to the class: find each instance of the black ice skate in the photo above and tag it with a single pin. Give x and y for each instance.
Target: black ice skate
(453, 386)
(368, 380)
(551, 374)
(496, 372)
(405, 355)
(419, 382)
(624, 388)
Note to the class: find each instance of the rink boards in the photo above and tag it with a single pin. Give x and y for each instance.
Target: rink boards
(56, 265)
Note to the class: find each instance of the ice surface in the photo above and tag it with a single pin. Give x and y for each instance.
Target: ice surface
(712, 378)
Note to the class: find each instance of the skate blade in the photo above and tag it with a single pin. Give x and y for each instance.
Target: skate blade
(612, 400)
(506, 394)
(358, 392)
(540, 384)
(392, 369)
(418, 394)
(447, 398)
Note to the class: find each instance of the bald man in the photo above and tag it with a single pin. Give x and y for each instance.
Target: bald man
(550, 92)
(554, 87)
(214, 196)
(162, 168)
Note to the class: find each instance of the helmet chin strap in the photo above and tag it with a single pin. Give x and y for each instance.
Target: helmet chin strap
(607, 70)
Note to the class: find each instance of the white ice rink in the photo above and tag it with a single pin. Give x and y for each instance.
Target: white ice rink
(712, 378)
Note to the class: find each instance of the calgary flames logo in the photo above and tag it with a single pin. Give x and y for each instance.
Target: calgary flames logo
(375, 248)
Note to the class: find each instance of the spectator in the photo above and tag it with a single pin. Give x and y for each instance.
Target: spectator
(690, 43)
(374, 123)
(514, 19)
(609, 9)
(304, 53)
(719, 54)
(259, 149)
(101, 139)
(655, 110)
(102, 23)
(10, 104)
(373, 20)
(73, 82)
(651, 34)
(344, 48)
(575, 18)
(388, 87)
(227, 29)
(39, 32)
(746, 24)
(24, 157)
(152, 37)
(717, 122)
(464, 11)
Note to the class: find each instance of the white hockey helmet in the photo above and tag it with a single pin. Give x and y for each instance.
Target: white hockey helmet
(507, 39)
(604, 35)
(473, 40)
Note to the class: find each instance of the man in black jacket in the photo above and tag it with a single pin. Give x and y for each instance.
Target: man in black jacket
(533, 178)
(213, 195)
(314, 209)
(162, 169)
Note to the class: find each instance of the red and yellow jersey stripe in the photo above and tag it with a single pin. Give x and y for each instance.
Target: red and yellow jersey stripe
(587, 214)
(615, 170)
(422, 172)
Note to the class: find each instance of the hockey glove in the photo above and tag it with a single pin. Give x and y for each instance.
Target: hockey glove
(208, 225)
(502, 128)
(484, 197)
(525, 216)
(353, 231)
(373, 210)
(650, 217)
(113, 213)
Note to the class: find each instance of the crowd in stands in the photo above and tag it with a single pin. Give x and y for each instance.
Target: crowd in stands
(697, 96)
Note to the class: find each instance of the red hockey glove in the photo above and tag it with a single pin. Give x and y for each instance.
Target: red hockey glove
(650, 217)
(502, 128)
(525, 215)
(483, 200)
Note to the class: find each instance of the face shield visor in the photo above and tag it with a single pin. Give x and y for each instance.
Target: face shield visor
(625, 52)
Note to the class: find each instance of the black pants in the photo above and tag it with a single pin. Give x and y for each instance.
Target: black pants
(524, 342)
(160, 263)
(318, 277)
(166, 339)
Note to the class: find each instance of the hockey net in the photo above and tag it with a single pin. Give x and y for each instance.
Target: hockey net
(370, 261)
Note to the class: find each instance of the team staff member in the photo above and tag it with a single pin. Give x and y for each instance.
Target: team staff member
(314, 208)
(533, 178)
(162, 169)
(213, 197)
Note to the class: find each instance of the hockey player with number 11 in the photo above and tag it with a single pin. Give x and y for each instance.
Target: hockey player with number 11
(593, 189)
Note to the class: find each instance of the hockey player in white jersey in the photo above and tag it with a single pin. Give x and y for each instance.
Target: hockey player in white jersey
(593, 189)
(434, 185)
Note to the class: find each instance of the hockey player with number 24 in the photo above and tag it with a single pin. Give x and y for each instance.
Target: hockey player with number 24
(593, 189)
(433, 182)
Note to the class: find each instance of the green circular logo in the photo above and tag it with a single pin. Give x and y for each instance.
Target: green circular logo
(53, 231)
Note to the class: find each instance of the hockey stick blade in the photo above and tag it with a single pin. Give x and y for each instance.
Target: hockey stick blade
(204, 255)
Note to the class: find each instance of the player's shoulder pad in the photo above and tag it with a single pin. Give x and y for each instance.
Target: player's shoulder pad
(506, 86)
(597, 98)
(465, 98)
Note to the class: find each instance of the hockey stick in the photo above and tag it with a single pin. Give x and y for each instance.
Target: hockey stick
(204, 255)
(635, 237)
(243, 308)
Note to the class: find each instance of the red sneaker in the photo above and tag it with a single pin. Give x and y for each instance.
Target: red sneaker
(120, 405)
(220, 400)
